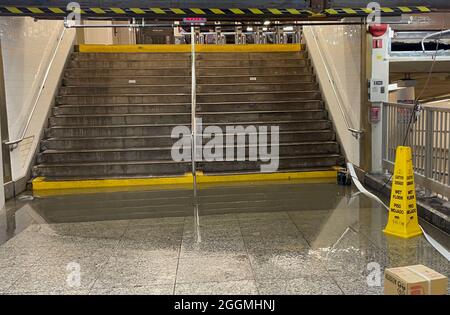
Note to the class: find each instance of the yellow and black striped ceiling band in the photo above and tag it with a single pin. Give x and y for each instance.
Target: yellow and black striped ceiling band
(206, 12)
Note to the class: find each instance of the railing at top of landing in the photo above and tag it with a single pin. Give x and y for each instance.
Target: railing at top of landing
(427, 132)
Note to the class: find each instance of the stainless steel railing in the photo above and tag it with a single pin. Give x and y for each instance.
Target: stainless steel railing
(428, 135)
(14, 143)
(355, 132)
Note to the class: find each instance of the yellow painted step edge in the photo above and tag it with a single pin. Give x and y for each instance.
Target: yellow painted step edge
(41, 184)
(187, 48)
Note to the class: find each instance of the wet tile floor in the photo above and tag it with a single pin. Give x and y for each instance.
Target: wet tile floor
(272, 238)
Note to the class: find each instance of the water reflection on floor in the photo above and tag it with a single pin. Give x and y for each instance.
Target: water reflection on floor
(268, 238)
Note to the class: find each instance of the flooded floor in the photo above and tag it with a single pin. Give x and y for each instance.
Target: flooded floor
(247, 238)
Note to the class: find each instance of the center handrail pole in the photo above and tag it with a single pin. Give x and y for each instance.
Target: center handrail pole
(193, 109)
(194, 132)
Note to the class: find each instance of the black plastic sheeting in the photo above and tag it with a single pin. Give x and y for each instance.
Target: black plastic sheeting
(418, 46)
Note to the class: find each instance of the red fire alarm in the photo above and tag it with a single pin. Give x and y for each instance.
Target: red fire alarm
(378, 30)
(374, 114)
(377, 43)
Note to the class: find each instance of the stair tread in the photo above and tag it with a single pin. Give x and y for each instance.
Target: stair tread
(123, 115)
(158, 137)
(253, 67)
(132, 76)
(170, 147)
(127, 85)
(111, 163)
(188, 113)
(125, 94)
(218, 123)
(183, 85)
(198, 103)
(257, 92)
(198, 76)
(170, 161)
(105, 146)
(128, 68)
(187, 94)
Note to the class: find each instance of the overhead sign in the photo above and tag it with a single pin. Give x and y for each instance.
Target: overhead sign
(195, 20)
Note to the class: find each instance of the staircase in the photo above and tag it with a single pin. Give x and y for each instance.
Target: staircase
(115, 112)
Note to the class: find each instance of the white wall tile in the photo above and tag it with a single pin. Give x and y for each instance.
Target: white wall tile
(341, 48)
(28, 47)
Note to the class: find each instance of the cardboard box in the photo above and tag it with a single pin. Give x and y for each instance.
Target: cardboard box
(414, 280)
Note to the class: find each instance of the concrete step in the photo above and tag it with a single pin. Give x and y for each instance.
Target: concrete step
(127, 89)
(146, 64)
(184, 80)
(102, 81)
(285, 164)
(121, 109)
(116, 112)
(166, 129)
(123, 99)
(165, 153)
(299, 62)
(126, 72)
(252, 56)
(126, 119)
(128, 64)
(126, 80)
(82, 143)
(81, 56)
(186, 56)
(186, 108)
(185, 118)
(285, 105)
(166, 168)
(258, 96)
(186, 97)
(253, 71)
(245, 78)
(164, 141)
(186, 88)
(107, 170)
(256, 87)
(270, 117)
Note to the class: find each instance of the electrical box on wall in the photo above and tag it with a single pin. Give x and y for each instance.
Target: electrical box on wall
(378, 90)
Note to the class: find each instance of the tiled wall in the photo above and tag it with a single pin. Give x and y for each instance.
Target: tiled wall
(28, 47)
(341, 48)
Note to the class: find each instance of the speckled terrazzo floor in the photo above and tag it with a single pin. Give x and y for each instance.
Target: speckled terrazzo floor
(272, 238)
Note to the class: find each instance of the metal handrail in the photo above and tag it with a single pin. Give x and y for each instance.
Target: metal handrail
(430, 36)
(13, 143)
(428, 137)
(193, 104)
(355, 132)
(424, 106)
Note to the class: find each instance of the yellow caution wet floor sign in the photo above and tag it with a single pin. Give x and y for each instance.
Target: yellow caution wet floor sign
(403, 221)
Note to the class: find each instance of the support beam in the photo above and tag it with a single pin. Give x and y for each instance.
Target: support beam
(5, 173)
(5, 160)
(365, 147)
(380, 74)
